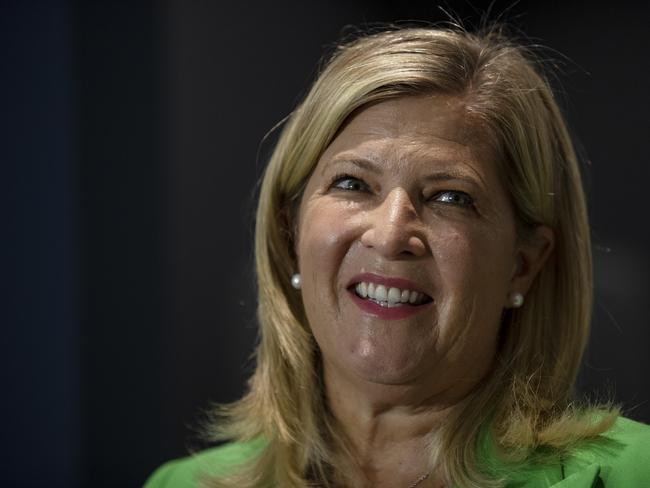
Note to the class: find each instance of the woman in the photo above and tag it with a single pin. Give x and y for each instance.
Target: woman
(424, 273)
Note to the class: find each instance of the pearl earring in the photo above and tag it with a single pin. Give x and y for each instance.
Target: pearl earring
(517, 300)
(296, 281)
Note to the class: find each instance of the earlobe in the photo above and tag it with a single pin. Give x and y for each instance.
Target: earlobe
(531, 257)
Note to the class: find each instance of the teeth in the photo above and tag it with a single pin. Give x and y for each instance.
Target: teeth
(394, 296)
(362, 289)
(404, 297)
(391, 297)
(380, 293)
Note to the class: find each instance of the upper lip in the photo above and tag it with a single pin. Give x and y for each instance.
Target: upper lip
(387, 281)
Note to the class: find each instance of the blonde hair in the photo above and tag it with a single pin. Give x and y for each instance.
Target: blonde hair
(527, 399)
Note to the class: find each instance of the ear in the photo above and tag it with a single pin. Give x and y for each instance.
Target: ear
(531, 257)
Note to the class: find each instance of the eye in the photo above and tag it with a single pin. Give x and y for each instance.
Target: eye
(451, 197)
(349, 183)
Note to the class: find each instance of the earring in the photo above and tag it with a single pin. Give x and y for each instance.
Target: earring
(516, 300)
(296, 281)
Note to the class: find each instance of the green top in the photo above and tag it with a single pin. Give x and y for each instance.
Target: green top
(620, 458)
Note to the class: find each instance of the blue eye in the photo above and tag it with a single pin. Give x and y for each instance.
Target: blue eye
(349, 183)
(452, 197)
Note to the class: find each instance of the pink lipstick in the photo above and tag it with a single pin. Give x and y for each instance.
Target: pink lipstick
(400, 306)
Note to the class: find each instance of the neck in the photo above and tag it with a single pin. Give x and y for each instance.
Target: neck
(389, 429)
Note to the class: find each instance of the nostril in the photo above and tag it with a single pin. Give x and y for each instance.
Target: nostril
(416, 246)
(393, 240)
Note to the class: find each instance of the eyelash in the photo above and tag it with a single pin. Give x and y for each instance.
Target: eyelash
(468, 201)
(342, 177)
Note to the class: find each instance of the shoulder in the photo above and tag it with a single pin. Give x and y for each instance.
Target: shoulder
(217, 461)
(629, 432)
(618, 458)
(621, 455)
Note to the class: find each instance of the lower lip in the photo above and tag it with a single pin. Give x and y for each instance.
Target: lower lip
(388, 313)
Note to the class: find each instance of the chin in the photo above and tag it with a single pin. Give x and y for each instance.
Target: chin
(387, 369)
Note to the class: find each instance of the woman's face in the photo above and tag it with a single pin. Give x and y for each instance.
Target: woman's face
(406, 247)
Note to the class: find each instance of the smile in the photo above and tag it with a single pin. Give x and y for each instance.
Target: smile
(389, 296)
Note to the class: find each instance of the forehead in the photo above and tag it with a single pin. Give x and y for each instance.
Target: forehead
(422, 116)
(431, 128)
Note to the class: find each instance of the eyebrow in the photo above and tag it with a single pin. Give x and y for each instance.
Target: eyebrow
(436, 175)
(362, 163)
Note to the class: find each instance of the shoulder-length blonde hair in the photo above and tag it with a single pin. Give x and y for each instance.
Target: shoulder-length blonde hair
(527, 398)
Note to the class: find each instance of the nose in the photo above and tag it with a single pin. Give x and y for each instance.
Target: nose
(394, 227)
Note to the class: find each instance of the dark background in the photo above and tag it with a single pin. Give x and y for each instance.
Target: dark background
(130, 151)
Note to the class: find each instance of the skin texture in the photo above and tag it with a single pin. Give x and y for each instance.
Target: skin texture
(407, 189)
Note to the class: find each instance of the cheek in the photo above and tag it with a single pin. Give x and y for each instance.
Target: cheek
(467, 255)
(326, 235)
(473, 269)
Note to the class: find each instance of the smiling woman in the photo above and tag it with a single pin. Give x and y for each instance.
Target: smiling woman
(424, 277)
(426, 213)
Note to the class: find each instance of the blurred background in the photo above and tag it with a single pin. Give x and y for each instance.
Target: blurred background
(131, 145)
